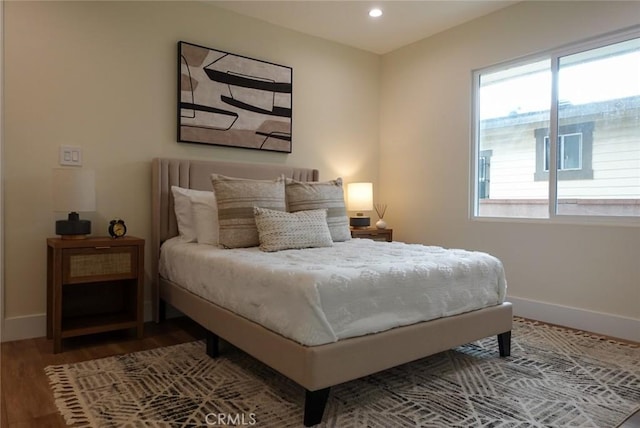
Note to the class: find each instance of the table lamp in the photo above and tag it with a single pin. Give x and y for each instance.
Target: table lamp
(359, 199)
(73, 191)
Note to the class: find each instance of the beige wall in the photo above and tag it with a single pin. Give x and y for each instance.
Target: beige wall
(102, 75)
(425, 146)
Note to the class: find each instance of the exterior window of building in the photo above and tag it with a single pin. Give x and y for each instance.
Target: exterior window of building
(569, 152)
(558, 135)
(574, 156)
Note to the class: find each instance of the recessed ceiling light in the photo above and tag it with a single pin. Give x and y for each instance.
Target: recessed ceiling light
(375, 13)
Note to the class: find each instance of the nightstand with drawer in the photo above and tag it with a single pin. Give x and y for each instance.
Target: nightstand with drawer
(375, 234)
(94, 285)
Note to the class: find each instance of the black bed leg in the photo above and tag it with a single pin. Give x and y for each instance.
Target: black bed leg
(162, 310)
(504, 343)
(314, 404)
(212, 345)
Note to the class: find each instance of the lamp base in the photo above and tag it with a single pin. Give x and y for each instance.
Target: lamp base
(73, 229)
(359, 222)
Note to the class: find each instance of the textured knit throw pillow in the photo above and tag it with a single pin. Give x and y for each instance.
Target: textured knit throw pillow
(279, 230)
(236, 198)
(312, 195)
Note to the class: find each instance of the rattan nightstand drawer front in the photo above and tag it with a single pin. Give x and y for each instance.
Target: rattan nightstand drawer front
(104, 263)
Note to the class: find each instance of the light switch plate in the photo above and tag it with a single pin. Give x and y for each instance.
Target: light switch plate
(70, 155)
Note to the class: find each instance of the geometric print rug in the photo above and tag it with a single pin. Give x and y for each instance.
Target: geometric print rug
(555, 377)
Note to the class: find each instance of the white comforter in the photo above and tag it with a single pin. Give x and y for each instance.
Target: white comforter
(321, 295)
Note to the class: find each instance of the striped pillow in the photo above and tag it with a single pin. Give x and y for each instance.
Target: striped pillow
(236, 198)
(284, 231)
(312, 195)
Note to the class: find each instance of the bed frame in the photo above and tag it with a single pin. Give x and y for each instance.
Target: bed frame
(316, 368)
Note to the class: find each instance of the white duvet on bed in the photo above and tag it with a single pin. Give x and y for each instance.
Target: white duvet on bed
(320, 295)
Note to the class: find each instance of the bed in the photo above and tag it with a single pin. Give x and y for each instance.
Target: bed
(315, 364)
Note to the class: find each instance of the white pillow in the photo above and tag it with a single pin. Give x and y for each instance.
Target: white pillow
(280, 230)
(205, 217)
(184, 217)
(196, 214)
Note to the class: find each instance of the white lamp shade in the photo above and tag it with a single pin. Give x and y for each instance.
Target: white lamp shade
(74, 190)
(360, 196)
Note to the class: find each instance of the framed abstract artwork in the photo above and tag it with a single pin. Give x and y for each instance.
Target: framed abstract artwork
(231, 100)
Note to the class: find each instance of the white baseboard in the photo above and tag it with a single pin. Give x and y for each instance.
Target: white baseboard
(581, 319)
(30, 326)
(27, 327)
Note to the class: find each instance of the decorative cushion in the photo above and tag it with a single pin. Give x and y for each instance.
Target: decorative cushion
(329, 195)
(196, 215)
(280, 230)
(236, 198)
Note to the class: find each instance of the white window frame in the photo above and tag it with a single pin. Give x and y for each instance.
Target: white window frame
(554, 55)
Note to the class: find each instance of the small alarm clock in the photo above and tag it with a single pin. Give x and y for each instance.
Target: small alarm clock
(117, 228)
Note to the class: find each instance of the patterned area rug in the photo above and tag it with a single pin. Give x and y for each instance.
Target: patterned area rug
(554, 378)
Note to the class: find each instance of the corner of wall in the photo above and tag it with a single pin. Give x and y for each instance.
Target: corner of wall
(1, 169)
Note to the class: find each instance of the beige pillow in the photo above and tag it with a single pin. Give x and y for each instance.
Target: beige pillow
(236, 198)
(312, 195)
(280, 230)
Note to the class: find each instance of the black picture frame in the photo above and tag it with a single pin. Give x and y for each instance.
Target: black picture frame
(232, 100)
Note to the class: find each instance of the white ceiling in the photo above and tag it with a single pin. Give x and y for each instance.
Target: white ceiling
(348, 22)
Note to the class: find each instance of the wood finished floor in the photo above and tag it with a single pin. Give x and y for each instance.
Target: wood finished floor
(25, 396)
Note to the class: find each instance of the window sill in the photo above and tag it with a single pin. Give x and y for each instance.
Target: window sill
(615, 212)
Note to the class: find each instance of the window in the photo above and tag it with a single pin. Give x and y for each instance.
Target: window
(559, 134)
(575, 146)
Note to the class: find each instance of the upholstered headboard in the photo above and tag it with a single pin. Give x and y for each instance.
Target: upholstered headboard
(195, 174)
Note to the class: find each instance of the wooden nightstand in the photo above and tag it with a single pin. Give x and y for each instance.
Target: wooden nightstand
(94, 285)
(375, 234)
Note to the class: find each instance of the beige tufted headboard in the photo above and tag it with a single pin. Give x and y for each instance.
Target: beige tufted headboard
(195, 174)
